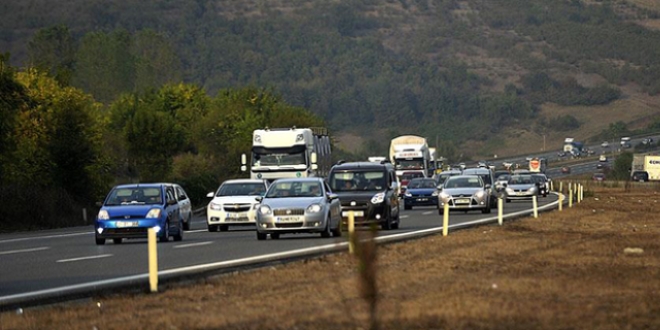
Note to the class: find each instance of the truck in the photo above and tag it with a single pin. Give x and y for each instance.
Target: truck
(573, 147)
(649, 163)
(289, 152)
(376, 159)
(410, 153)
(538, 164)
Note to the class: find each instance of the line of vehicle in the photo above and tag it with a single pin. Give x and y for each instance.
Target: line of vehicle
(85, 258)
(98, 285)
(25, 250)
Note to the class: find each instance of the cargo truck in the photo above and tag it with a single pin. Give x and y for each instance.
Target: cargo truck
(410, 153)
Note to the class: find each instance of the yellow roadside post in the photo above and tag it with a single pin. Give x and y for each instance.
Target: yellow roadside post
(351, 232)
(561, 201)
(535, 206)
(552, 187)
(561, 188)
(500, 218)
(570, 197)
(581, 193)
(445, 220)
(153, 260)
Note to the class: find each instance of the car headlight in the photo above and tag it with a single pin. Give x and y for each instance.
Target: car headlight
(531, 189)
(509, 190)
(444, 195)
(153, 214)
(314, 208)
(407, 194)
(103, 215)
(435, 193)
(265, 209)
(378, 198)
(480, 194)
(215, 206)
(255, 206)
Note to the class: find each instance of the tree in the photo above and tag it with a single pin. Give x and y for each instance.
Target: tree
(621, 168)
(52, 50)
(156, 63)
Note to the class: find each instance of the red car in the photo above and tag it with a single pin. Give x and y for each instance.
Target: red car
(598, 177)
(565, 170)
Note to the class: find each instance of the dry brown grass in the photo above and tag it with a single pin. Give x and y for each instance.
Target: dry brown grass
(565, 270)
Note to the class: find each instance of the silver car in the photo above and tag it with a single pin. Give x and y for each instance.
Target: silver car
(298, 205)
(521, 186)
(464, 192)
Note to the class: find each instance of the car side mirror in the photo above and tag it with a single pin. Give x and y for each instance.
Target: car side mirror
(439, 187)
(333, 196)
(259, 199)
(172, 202)
(210, 195)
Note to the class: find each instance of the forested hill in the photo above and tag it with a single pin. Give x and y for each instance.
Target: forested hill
(443, 68)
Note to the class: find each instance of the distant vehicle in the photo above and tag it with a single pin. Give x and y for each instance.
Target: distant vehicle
(566, 170)
(599, 166)
(234, 204)
(464, 192)
(602, 158)
(641, 176)
(420, 192)
(130, 210)
(521, 186)
(649, 163)
(407, 176)
(298, 205)
(625, 142)
(501, 181)
(543, 183)
(442, 177)
(605, 144)
(410, 152)
(599, 176)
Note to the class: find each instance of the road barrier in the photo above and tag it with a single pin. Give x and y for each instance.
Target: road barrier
(445, 220)
(561, 201)
(500, 211)
(535, 207)
(153, 260)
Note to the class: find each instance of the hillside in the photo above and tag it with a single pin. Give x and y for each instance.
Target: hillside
(479, 76)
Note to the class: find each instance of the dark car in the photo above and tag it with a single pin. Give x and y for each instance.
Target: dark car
(130, 210)
(420, 192)
(641, 176)
(598, 176)
(370, 190)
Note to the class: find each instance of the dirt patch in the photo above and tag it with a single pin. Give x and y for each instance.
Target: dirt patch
(593, 266)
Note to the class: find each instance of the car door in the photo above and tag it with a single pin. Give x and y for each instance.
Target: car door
(335, 204)
(172, 206)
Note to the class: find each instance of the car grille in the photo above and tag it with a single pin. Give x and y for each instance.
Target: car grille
(284, 212)
(422, 195)
(237, 207)
(288, 225)
(358, 204)
(120, 231)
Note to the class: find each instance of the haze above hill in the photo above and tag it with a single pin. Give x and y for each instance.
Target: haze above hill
(487, 75)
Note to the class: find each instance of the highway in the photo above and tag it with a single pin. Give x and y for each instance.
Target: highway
(46, 261)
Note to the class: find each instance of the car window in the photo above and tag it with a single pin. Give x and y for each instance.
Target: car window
(241, 189)
(181, 194)
(135, 195)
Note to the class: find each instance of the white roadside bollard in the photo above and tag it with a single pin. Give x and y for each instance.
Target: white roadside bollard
(445, 220)
(570, 197)
(351, 232)
(561, 201)
(535, 205)
(500, 217)
(153, 260)
(561, 187)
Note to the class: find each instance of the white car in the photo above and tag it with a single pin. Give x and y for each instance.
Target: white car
(234, 204)
(602, 158)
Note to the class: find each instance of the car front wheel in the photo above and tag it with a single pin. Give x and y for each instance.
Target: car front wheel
(100, 241)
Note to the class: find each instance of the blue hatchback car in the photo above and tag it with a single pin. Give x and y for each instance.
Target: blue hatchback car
(130, 210)
(420, 192)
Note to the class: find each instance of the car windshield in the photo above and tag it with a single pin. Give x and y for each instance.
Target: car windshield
(295, 189)
(521, 179)
(426, 183)
(442, 177)
(135, 195)
(241, 189)
(358, 180)
(458, 182)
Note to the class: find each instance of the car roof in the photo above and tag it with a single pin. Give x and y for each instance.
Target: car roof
(244, 181)
(306, 179)
(136, 185)
(476, 170)
(361, 165)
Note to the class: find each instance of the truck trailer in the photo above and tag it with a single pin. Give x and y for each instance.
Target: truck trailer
(410, 153)
(289, 152)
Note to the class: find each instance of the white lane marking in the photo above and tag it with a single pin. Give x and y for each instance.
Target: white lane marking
(192, 245)
(85, 258)
(196, 231)
(42, 237)
(25, 250)
(403, 216)
(427, 212)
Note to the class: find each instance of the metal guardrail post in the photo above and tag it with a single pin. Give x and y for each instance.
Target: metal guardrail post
(535, 206)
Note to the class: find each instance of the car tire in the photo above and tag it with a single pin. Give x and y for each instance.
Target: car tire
(100, 241)
(179, 236)
(327, 232)
(275, 236)
(186, 224)
(387, 224)
(166, 233)
(508, 200)
(116, 240)
(213, 228)
(261, 236)
(224, 227)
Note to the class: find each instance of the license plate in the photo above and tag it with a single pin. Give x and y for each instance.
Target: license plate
(355, 214)
(125, 224)
(463, 201)
(422, 199)
(522, 194)
(288, 219)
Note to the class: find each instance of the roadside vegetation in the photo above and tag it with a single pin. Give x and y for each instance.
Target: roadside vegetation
(592, 266)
